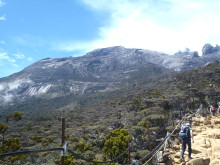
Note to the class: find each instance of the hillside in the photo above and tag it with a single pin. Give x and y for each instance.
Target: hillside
(101, 70)
(147, 102)
(98, 71)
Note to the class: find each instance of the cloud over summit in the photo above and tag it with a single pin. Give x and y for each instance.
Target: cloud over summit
(166, 25)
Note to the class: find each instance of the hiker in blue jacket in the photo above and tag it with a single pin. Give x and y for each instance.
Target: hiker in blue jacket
(218, 107)
(186, 135)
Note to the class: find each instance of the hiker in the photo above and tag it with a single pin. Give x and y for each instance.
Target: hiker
(212, 110)
(186, 135)
(218, 107)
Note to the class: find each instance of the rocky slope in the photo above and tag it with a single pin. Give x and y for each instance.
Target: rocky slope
(98, 71)
(206, 146)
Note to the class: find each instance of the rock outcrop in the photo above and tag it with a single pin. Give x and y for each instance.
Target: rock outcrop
(187, 53)
(208, 49)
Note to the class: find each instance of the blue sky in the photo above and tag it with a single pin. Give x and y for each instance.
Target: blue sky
(31, 30)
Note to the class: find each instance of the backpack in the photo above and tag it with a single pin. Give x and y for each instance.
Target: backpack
(184, 132)
(213, 109)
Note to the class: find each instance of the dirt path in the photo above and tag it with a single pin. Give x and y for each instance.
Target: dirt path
(206, 146)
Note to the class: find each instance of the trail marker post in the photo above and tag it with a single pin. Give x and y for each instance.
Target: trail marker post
(63, 140)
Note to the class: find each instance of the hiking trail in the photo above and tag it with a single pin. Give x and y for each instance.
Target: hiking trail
(206, 146)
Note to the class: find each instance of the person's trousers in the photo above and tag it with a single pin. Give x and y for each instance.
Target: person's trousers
(188, 143)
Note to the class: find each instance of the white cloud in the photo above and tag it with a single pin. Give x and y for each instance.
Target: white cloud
(15, 65)
(1, 3)
(166, 25)
(2, 42)
(12, 61)
(4, 57)
(19, 56)
(3, 18)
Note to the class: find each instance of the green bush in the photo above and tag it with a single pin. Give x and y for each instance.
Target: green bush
(116, 143)
(37, 139)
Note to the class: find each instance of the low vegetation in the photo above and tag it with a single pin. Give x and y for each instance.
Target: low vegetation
(99, 126)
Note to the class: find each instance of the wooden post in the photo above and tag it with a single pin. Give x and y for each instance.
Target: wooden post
(129, 153)
(172, 117)
(165, 143)
(148, 136)
(63, 137)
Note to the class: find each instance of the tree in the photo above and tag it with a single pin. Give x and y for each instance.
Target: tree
(9, 120)
(3, 127)
(116, 143)
(13, 144)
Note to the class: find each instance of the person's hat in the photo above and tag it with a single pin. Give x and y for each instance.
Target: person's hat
(187, 124)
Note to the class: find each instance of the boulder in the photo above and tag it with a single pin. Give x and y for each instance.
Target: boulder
(199, 161)
(214, 134)
(216, 121)
(161, 158)
(216, 151)
(195, 123)
(176, 147)
(209, 152)
(207, 49)
(217, 135)
(196, 131)
(197, 149)
(208, 143)
(177, 160)
(177, 155)
(207, 122)
(214, 162)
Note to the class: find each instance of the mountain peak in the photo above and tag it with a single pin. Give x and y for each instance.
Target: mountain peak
(187, 53)
(105, 51)
(208, 49)
(98, 70)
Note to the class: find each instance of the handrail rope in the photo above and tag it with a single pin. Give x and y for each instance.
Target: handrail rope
(113, 160)
(29, 151)
(109, 161)
(155, 153)
(161, 144)
(157, 147)
(116, 158)
(151, 138)
(143, 158)
(185, 117)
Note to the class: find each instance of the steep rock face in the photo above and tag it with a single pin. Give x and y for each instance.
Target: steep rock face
(208, 49)
(101, 70)
(98, 71)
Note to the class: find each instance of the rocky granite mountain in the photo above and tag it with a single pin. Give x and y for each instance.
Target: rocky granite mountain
(98, 71)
